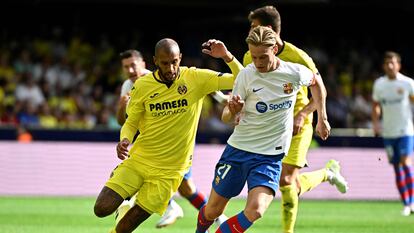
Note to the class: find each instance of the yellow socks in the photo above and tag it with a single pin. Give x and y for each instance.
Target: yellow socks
(310, 180)
(290, 200)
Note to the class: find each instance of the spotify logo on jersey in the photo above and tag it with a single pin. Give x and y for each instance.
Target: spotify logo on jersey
(261, 107)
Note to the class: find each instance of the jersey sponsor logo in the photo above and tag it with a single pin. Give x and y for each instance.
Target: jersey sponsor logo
(391, 101)
(168, 105)
(258, 89)
(182, 89)
(262, 107)
(288, 88)
(168, 108)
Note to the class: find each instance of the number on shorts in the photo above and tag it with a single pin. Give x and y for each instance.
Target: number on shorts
(226, 168)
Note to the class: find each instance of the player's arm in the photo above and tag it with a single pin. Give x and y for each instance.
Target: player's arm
(217, 49)
(299, 118)
(134, 112)
(220, 97)
(122, 104)
(318, 92)
(375, 116)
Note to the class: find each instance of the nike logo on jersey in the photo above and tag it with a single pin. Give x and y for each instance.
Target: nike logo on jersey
(258, 89)
(155, 94)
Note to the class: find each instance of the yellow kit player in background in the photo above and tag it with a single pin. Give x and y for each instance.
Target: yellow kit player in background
(291, 183)
(166, 111)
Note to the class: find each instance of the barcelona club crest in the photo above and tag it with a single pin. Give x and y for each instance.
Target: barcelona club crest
(217, 180)
(287, 88)
(182, 89)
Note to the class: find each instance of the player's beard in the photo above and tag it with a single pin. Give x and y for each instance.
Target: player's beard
(171, 77)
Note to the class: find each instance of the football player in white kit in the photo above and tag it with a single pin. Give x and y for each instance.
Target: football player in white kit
(264, 95)
(392, 96)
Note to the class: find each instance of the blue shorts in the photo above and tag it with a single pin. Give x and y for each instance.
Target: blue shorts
(398, 147)
(188, 174)
(235, 167)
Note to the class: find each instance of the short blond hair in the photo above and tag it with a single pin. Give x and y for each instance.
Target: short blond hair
(261, 35)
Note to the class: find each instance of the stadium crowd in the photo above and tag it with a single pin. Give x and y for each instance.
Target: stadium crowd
(74, 83)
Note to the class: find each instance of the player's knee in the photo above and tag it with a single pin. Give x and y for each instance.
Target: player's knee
(187, 188)
(101, 210)
(286, 180)
(123, 226)
(254, 214)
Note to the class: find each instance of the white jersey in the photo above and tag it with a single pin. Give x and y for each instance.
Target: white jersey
(266, 121)
(128, 84)
(394, 98)
(126, 87)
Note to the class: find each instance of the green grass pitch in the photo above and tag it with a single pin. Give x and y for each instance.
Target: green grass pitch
(64, 215)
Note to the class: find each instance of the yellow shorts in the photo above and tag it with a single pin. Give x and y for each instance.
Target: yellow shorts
(299, 147)
(155, 186)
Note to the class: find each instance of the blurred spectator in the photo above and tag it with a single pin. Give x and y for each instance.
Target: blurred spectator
(46, 119)
(337, 106)
(8, 116)
(28, 90)
(361, 108)
(28, 115)
(65, 79)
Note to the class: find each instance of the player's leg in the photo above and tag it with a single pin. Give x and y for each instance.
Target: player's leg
(131, 220)
(171, 215)
(409, 175)
(153, 197)
(214, 207)
(392, 149)
(121, 185)
(263, 175)
(228, 182)
(107, 202)
(289, 196)
(404, 172)
(290, 184)
(406, 160)
(331, 172)
(189, 191)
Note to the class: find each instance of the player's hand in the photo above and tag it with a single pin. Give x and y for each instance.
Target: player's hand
(323, 129)
(298, 122)
(122, 149)
(217, 49)
(235, 104)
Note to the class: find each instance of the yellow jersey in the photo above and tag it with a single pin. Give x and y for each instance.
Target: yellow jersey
(291, 53)
(167, 116)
